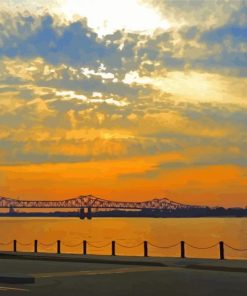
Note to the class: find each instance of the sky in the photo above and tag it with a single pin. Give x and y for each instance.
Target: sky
(125, 100)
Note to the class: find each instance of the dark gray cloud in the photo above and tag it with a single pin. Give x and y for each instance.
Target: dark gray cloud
(54, 44)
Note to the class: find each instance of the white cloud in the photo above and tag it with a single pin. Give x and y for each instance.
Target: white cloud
(195, 86)
(69, 95)
(90, 72)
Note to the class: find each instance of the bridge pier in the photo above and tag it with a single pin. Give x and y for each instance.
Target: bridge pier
(89, 213)
(11, 210)
(82, 213)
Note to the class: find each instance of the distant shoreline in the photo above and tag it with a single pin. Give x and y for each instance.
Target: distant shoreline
(118, 215)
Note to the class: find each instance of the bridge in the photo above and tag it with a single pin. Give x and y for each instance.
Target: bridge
(90, 202)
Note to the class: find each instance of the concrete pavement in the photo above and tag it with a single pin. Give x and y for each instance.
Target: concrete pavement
(122, 276)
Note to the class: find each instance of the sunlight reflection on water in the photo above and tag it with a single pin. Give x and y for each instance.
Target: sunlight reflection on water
(99, 232)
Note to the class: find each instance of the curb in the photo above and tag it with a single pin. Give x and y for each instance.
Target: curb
(83, 260)
(217, 268)
(16, 279)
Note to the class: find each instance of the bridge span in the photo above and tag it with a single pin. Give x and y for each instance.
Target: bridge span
(90, 202)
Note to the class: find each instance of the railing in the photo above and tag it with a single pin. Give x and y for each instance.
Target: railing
(85, 245)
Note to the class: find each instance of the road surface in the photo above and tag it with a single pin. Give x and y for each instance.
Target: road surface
(174, 277)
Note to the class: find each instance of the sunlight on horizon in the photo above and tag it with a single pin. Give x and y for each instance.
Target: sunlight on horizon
(109, 16)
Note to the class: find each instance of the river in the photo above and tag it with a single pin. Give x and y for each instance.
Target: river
(127, 232)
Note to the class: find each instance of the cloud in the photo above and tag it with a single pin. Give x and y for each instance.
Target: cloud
(146, 111)
(73, 44)
(211, 13)
(143, 94)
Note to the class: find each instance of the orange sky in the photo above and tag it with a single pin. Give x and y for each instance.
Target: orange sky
(130, 179)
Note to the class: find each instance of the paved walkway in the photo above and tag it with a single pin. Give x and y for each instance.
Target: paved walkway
(121, 276)
(131, 260)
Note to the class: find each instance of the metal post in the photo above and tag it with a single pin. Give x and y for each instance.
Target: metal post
(222, 255)
(182, 243)
(113, 248)
(15, 245)
(36, 246)
(84, 247)
(145, 249)
(58, 246)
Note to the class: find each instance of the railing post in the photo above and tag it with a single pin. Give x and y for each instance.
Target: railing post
(222, 254)
(15, 245)
(84, 247)
(58, 247)
(36, 246)
(113, 248)
(145, 249)
(182, 243)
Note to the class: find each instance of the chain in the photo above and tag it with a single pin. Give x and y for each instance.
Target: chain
(129, 247)
(24, 244)
(202, 248)
(164, 247)
(72, 246)
(99, 247)
(6, 244)
(236, 249)
(47, 245)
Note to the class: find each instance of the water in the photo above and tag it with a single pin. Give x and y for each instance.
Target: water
(201, 232)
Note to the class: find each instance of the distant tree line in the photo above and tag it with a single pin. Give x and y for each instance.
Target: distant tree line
(188, 212)
(165, 213)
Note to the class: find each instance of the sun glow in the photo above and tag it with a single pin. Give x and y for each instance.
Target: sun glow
(109, 15)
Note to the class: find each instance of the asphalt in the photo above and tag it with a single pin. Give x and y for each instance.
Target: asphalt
(115, 275)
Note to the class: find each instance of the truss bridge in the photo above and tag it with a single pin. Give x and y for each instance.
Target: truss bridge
(90, 202)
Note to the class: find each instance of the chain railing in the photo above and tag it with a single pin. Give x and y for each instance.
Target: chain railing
(99, 247)
(129, 247)
(25, 244)
(235, 249)
(85, 244)
(47, 244)
(202, 248)
(164, 247)
(72, 246)
(6, 244)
